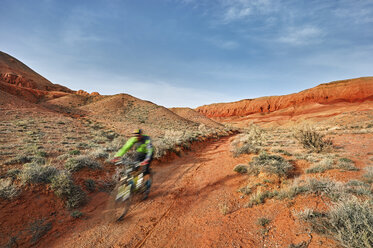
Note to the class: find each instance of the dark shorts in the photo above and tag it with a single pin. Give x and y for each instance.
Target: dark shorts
(141, 157)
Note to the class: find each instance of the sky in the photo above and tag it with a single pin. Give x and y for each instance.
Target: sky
(187, 53)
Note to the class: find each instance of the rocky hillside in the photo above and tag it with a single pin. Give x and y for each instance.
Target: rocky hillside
(192, 115)
(352, 90)
(13, 71)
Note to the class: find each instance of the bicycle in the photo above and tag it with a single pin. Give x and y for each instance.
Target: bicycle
(130, 184)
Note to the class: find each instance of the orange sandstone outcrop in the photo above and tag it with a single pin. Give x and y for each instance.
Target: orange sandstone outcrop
(85, 93)
(351, 90)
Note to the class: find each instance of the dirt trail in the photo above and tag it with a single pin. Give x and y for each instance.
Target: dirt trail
(184, 208)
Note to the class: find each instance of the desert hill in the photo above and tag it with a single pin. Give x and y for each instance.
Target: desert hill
(126, 113)
(192, 115)
(347, 91)
(14, 72)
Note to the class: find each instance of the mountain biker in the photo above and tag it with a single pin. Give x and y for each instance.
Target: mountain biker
(144, 155)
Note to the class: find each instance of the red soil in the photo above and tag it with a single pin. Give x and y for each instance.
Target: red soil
(185, 209)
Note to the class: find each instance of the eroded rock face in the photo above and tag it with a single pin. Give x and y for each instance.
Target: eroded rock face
(352, 90)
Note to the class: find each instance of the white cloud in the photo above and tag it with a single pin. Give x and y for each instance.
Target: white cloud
(234, 10)
(301, 35)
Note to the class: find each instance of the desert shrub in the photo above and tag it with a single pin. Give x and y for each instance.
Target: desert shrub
(80, 162)
(76, 214)
(20, 159)
(248, 142)
(271, 164)
(349, 221)
(323, 165)
(34, 173)
(7, 189)
(64, 187)
(171, 140)
(346, 164)
(240, 168)
(42, 154)
(74, 152)
(38, 229)
(63, 157)
(90, 185)
(325, 187)
(108, 134)
(260, 196)
(99, 153)
(13, 173)
(313, 141)
(263, 221)
(368, 176)
(38, 160)
(282, 152)
(116, 144)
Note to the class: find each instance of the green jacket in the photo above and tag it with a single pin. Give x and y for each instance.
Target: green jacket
(144, 145)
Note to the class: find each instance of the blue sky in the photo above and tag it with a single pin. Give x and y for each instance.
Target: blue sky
(191, 52)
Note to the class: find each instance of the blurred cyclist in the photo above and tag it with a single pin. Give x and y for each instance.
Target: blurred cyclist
(144, 155)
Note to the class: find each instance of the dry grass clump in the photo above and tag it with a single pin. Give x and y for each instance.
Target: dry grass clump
(80, 162)
(19, 159)
(260, 197)
(35, 173)
(7, 189)
(346, 164)
(99, 153)
(349, 221)
(368, 176)
(64, 187)
(241, 168)
(271, 164)
(325, 187)
(313, 141)
(323, 165)
(248, 142)
(173, 139)
(13, 173)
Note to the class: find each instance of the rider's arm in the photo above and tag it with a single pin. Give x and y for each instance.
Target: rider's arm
(126, 147)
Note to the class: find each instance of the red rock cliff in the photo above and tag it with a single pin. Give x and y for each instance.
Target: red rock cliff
(351, 90)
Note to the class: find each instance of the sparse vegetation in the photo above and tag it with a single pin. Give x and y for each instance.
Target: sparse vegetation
(323, 165)
(90, 185)
(241, 168)
(80, 162)
(260, 197)
(271, 164)
(368, 176)
(346, 164)
(76, 214)
(248, 142)
(74, 152)
(64, 187)
(313, 140)
(325, 187)
(349, 221)
(7, 189)
(38, 229)
(99, 153)
(263, 221)
(34, 173)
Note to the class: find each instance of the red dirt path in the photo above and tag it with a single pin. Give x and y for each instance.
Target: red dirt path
(185, 209)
